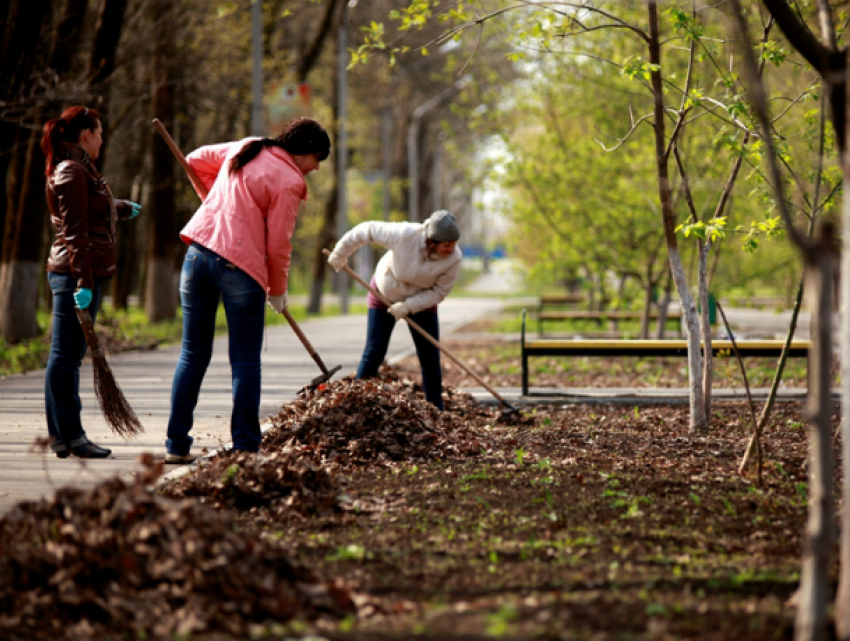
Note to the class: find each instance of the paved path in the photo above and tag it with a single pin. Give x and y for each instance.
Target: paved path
(145, 378)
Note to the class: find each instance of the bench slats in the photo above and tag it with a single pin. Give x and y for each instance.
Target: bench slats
(561, 299)
(556, 347)
(542, 347)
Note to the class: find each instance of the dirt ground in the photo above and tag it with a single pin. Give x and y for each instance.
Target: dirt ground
(602, 522)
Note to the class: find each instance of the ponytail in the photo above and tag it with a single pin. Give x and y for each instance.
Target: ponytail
(251, 151)
(64, 130)
(300, 137)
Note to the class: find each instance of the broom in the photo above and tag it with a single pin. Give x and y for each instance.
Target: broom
(116, 410)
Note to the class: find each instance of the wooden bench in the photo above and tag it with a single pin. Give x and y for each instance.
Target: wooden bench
(547, 300)
(553, 347)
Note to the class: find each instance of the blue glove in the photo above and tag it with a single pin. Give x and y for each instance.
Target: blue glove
(82, 297)
(137, 209)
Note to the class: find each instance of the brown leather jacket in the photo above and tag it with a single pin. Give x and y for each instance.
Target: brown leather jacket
(83, 212)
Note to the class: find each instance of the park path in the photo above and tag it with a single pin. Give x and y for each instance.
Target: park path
(146, 376)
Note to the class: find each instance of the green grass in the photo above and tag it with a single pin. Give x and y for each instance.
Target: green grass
(510, 322)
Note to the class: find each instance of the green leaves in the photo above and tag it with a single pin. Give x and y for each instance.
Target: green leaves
(770, 51)
(711, 230)
(685, 24)
(768, 228)
(695, 99)
(633, 67)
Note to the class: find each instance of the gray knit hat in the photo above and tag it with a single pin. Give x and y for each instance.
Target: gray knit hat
(442, 227)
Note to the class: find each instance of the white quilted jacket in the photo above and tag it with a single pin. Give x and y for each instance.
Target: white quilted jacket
(406, 272)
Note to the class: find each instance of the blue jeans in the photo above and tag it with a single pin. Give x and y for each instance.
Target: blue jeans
(379, 330)
(205, 279)
(67, 348)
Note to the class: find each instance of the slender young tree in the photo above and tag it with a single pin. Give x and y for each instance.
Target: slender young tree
(820, 257)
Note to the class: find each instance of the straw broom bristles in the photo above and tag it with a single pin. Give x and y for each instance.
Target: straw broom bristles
(116, 410)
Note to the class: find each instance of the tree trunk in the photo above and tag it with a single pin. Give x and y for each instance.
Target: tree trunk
(647, 310)
(842, 600)
(325, 239)
(21, 268)
(664, 306)
(698, 416)
(21, 171)
(811, 618)
(110, 22)
(705, 324)
(160, 294)
(327, 236)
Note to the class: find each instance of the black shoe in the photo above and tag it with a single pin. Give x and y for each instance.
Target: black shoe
(84, 448)
(60, 449)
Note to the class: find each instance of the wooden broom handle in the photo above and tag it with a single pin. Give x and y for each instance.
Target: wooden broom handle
(428, 336)
(196, 182)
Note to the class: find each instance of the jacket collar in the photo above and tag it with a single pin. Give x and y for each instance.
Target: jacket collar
(71, 151)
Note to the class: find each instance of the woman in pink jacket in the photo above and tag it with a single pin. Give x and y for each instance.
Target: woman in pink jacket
(239, 251)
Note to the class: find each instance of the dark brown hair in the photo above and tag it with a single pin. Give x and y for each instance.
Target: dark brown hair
(65, 129)
(300, 137)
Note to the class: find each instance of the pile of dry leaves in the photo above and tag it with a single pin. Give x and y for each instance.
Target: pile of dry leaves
(351, 422)
(120, 560)
(279, 483)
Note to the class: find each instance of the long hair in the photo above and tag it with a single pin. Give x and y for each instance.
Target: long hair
(300, 137)
(65, 129)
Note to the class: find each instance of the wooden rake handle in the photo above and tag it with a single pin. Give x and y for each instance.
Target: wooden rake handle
(307, 345)
(427, 336)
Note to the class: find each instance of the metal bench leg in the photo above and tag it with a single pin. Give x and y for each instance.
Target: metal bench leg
(524, 373)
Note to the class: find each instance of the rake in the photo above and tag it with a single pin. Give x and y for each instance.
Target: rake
(508, 410)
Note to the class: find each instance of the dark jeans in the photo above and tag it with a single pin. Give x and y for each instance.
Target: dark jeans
(67, 348)
(380, 330)
(205, 279)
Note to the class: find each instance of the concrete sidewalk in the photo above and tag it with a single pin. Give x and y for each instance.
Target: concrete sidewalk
(145, 378)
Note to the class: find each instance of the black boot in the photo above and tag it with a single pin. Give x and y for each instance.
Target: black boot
(83, 448)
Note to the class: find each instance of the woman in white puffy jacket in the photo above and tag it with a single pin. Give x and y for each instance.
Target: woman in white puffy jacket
(416, 274)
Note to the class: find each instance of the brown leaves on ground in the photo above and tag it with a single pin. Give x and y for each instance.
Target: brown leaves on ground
(598, 522)
(279, 483)
(380, 421)
(120, 561)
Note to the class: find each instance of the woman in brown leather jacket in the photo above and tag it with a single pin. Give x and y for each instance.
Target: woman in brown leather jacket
(81, 259)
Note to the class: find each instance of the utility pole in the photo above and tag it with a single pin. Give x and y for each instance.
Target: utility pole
(342, 145)
(386, 126)
(437, 173)
(257, 120)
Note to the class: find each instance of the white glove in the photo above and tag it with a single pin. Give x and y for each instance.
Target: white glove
(399, 310)
(278, 303)
(336, 261)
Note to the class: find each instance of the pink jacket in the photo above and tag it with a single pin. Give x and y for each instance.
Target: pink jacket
(248, 217)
